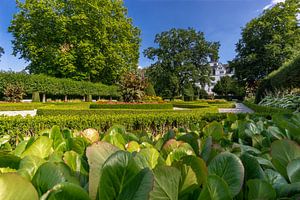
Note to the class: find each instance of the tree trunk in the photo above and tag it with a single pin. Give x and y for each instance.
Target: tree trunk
(66, 98)
(83, 98)
(44, 98)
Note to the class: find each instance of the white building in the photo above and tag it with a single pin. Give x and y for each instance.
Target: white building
(218, 71)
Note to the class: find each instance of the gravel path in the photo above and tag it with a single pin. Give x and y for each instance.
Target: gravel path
(239, 108)
(23, 113)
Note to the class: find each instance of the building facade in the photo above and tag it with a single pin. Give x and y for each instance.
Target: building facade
(219, 70)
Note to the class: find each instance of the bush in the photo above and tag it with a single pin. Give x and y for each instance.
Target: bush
(266, 110)
(285, 78)
(286, 101)
(14, 92)
(55, 86)
(132, 106)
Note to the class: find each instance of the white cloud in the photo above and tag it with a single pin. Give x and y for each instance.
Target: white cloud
(273, 3)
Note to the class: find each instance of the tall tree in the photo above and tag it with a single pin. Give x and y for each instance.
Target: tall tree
(267, 42)
(181, 59)
(85, 40)
(1, 51)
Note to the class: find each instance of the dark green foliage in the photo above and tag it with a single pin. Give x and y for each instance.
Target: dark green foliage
(228, 86)
(181, 59)
(266, 110)
(83, 40)
(267, 42)
(132, 106)
(55, 86)
(149, 90)
(285, 78)
(36, 97)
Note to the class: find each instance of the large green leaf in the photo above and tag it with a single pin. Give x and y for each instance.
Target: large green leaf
(66, 191)
(283, 152)
(77, 144)
(166, 184)
(122, 177)
(140, 187)
(182, 150)
(20, 148)
(59, 143)
(215, 189)
(260, 189)
(29, 165)
(41, 147)
(253, 169)
(15, 187)
(229, 167)
(75, 162)
(289, 190)
(198, 166)
(293, 170)
(97, 154)
(275, 179)
(214, 129)
(291, 123)
(50, 174)
(147, 157)
(188, 181)
(9, 160)
(206, 149)
(114, 136)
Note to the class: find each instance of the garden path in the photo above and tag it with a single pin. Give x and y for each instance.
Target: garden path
(23, 113)
(239, 108)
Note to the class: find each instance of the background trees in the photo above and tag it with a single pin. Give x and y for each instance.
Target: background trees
(267, 42)
(83, 40)
(227, 85)
(181, 60)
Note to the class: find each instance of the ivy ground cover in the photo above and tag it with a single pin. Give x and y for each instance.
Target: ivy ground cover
(253, 158)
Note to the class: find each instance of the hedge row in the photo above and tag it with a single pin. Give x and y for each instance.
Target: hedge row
(266, 110)
(19, 126)
(286, 77)
(55, 86)
(132, 106)
(56, 112)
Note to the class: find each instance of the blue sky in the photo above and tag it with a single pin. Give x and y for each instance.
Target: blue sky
(220, 20)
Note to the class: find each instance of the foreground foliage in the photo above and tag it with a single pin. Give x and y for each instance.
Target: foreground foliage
(254, 158)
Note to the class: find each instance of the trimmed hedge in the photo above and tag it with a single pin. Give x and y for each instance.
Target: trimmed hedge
(56, 86)
(266, 110)
(132, 106)
(286, 77)
(153, 122)
(55, 112)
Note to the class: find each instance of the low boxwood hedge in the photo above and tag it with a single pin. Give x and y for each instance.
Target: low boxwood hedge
(55, 112)
(132, 106)
(153, 122)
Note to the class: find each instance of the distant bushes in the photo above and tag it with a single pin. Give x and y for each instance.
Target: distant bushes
(132, 106)
(285, 78)
(55, 86)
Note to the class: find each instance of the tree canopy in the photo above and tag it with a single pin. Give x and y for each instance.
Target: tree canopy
(84, 40)
(267, 42)
(228, 85)
(181, 59)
